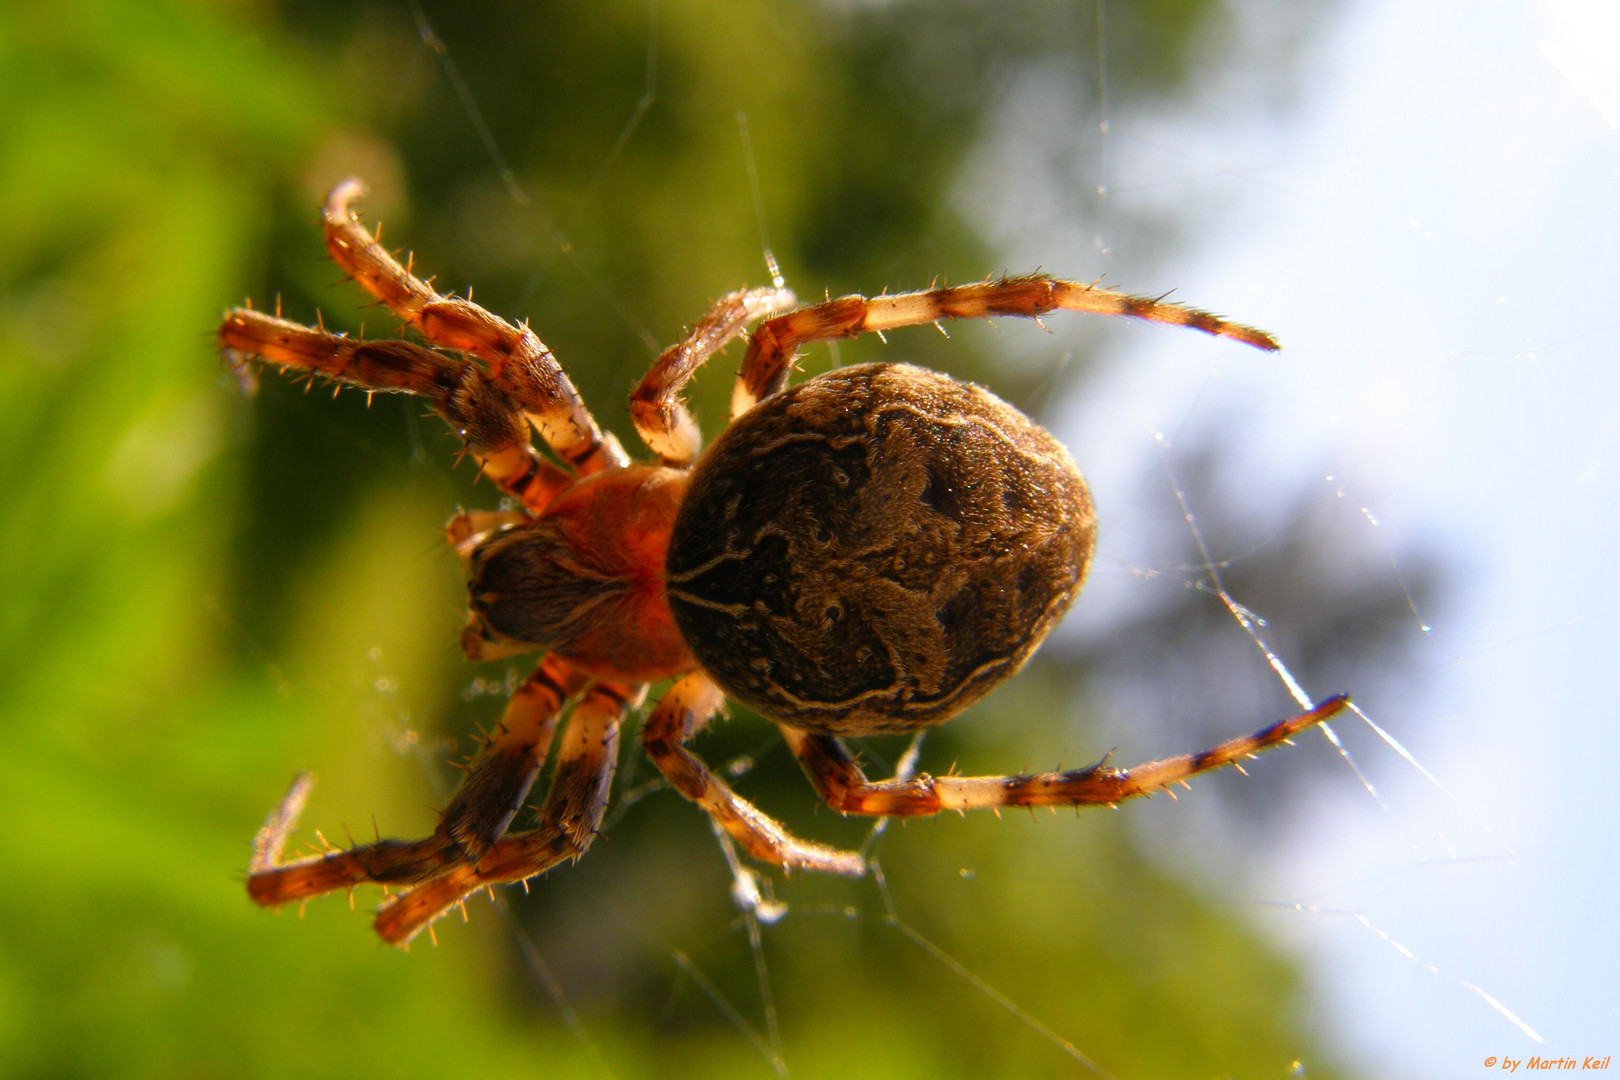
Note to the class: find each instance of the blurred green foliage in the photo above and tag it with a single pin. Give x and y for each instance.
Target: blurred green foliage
(204, 591)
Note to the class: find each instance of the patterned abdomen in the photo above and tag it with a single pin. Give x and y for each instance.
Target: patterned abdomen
(875, 549)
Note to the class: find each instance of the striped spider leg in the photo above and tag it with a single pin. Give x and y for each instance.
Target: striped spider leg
(838, 777)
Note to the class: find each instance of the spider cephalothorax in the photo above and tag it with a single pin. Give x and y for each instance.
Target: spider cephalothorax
(870, 551)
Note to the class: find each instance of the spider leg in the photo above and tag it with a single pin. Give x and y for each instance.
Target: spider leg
(520, 365)
(682, 713)
(841, 783)
(272, 882)
(497, 782)
(499, 778)
(775, 342)
(661, 419)
(469, 528)
(573, 810)
(493, 427)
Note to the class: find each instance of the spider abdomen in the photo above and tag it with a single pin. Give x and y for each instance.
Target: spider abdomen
(875, 549)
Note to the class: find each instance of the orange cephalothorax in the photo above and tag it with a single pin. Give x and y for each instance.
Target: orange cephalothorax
(870, 552)
(584, 580)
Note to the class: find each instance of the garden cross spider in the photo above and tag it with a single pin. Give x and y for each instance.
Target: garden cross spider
(870, 551)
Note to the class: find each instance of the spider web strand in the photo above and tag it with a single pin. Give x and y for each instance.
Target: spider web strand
(892, 919)
(1384, 936)
(726, 1009)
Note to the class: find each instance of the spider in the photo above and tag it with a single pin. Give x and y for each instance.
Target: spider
(869, 551)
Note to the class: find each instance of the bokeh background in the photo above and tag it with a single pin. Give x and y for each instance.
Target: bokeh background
(205, 589)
